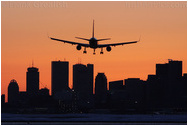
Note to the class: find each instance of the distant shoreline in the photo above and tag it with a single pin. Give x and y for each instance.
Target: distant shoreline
(93, 119)
(93, 123)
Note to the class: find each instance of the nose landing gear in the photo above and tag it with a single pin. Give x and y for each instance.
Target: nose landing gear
(94, 52)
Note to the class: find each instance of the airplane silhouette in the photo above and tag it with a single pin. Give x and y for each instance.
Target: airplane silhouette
(93, 43)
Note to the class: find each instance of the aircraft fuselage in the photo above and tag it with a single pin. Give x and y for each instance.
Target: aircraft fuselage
(93, 42)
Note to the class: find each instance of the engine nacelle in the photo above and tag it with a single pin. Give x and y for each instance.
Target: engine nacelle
(108, 48)
(78, 47)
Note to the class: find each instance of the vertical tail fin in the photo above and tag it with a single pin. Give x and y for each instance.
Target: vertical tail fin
(93, 29)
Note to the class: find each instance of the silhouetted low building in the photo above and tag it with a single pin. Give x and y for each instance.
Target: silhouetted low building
(116, 85)
(183, 91)
(23, 99)
(44, 92)
(2, 99)
(135, 93)
(154, 92)
(116, 95)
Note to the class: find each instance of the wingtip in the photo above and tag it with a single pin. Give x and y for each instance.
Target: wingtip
(48, 36)
(139, 39)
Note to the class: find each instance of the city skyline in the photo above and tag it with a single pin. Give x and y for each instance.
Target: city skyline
(85, 71)
(165, 90)
(24, 38)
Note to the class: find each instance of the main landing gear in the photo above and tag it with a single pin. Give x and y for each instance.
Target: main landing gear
(85, 51)
(101, 51)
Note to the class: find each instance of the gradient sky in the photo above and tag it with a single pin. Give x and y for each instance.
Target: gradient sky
(25, 25)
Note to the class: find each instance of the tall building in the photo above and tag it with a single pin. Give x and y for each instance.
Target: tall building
(169, 71)
(162, 71)
(100, 89)
(83, 82)
(174, 81)
(175, 70)
(169, 77)
(32, 81)
(90, 78)
(60, 76)
(13, 92)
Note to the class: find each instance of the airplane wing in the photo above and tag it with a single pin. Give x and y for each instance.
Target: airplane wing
(116, 44)
(73, 43)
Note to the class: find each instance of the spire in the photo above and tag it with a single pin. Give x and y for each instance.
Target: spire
(32, 63)
(93, 29)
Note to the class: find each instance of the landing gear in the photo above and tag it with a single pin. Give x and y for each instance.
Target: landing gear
(85, 50)
(94, 52)
(101, 51)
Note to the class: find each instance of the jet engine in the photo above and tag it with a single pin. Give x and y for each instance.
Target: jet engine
(108, 48)
(78, 47)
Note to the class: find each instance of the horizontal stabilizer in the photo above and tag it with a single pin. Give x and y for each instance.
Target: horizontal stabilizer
(103, 39)
(82, 38)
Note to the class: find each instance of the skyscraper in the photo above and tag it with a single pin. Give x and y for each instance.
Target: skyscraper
(83, 82)
(100, 89)
(175, 70)
(60, 76)
(174, 82)
(169, 71)
(32, 81)
(13, 92)
(90, 78)
(169, 76)
(163, 85)
(162, 71)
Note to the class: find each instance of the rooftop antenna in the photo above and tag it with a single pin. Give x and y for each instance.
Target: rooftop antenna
(32, 63)
(170, 60)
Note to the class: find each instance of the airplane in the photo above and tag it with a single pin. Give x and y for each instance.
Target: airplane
(93, 43)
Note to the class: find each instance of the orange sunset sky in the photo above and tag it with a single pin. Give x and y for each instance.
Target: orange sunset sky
(25, 25)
